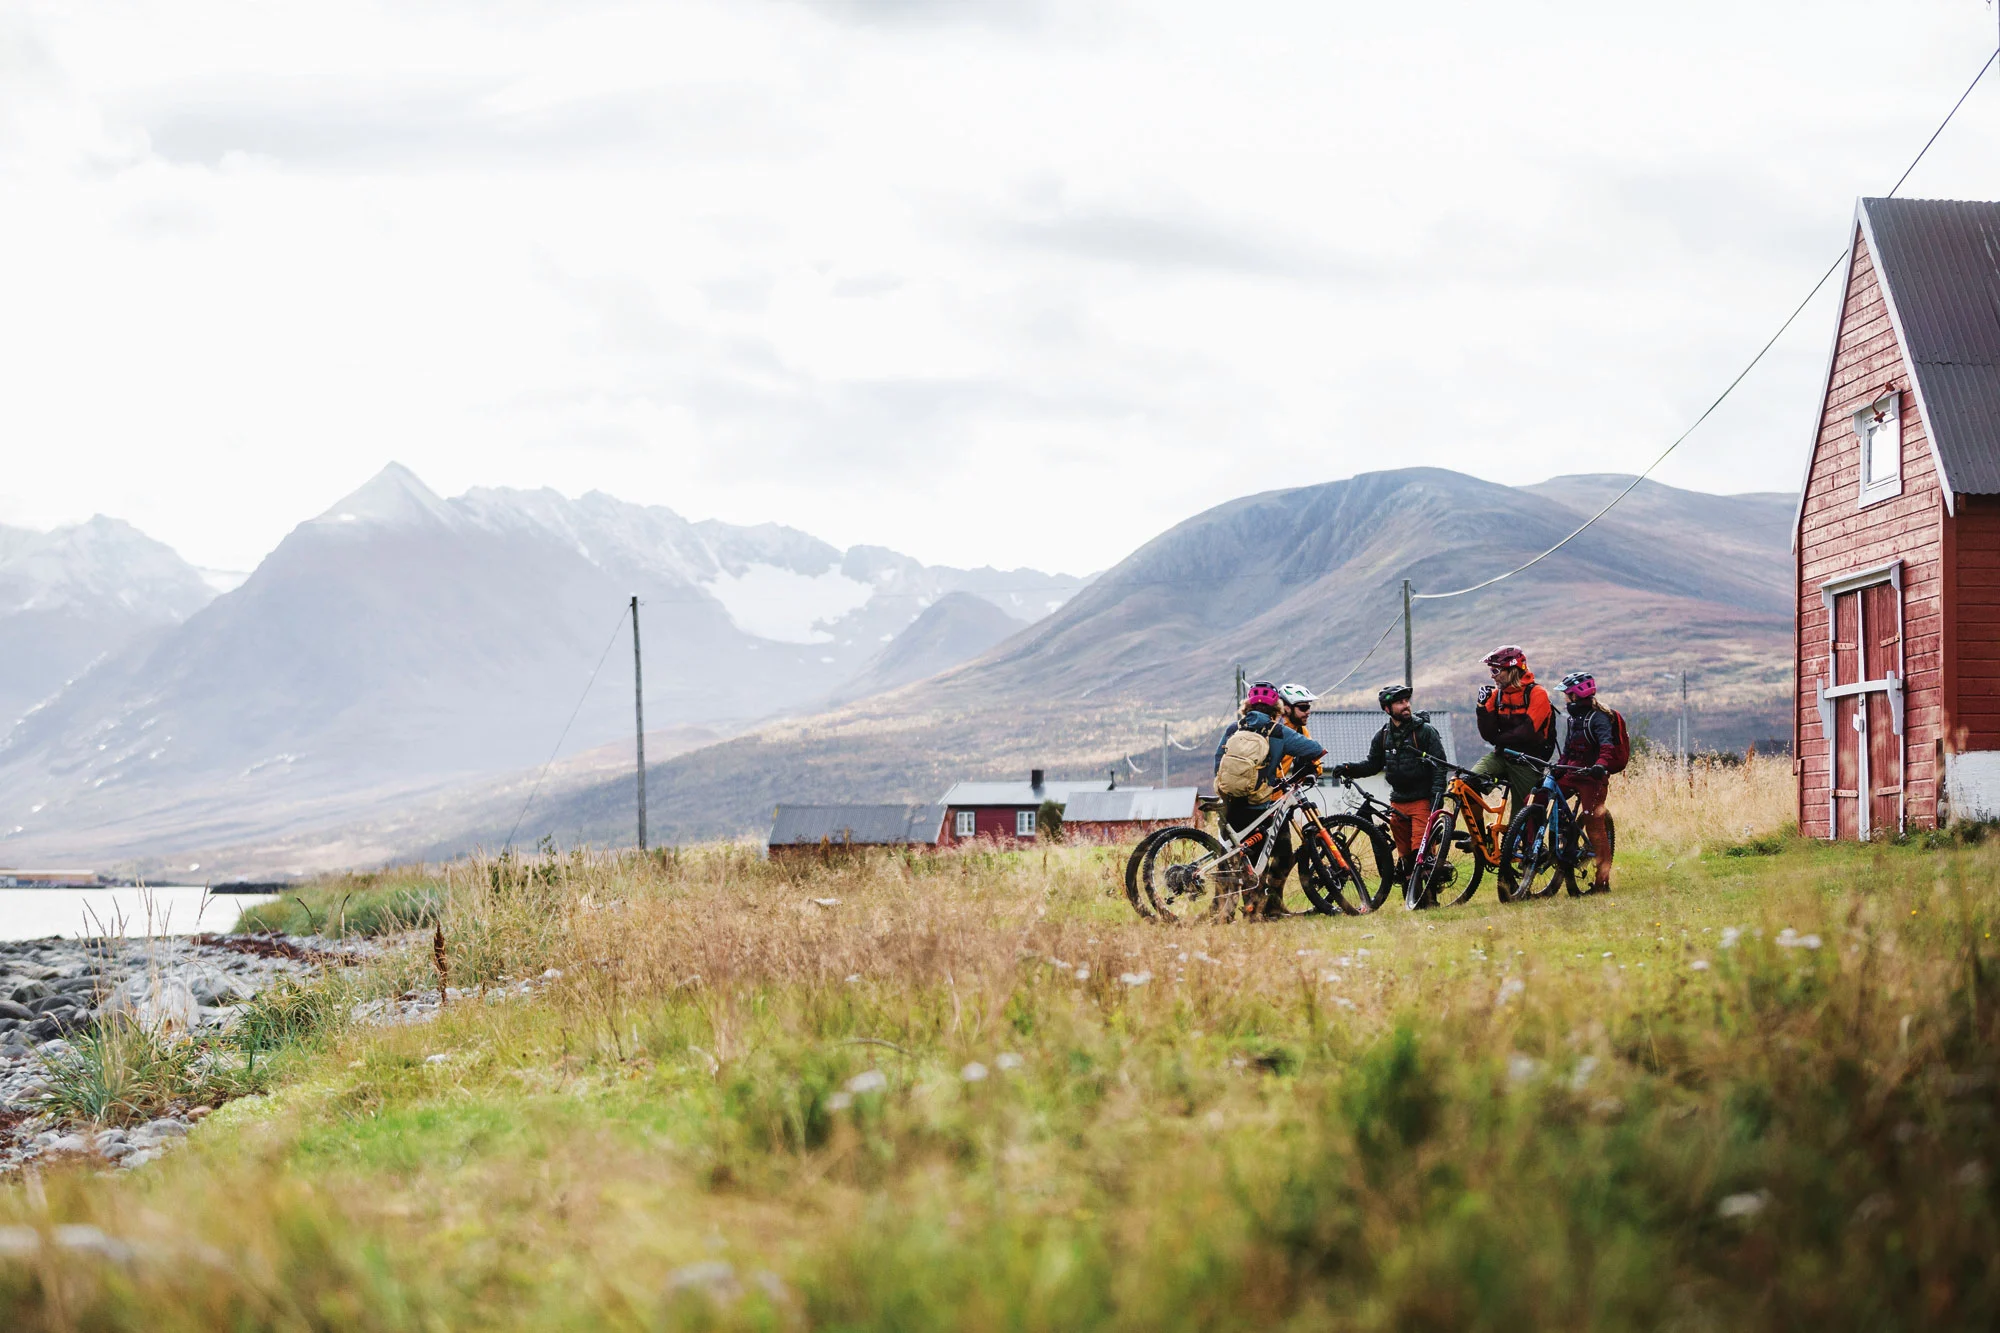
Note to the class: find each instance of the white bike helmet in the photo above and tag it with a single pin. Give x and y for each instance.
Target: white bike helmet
(1296, 694)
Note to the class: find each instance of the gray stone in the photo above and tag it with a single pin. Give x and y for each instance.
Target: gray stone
(15, 1009)
(29, 991)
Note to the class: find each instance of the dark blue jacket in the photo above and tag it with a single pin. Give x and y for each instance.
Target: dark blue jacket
(1284, 741)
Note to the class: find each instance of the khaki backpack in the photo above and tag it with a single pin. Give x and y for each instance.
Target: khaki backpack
(1240, 774)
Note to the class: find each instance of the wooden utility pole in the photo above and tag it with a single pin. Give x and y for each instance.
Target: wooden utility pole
(639, 719)
(1684, 737)
(1163, 756)
(1409, 648)
(1239, 687)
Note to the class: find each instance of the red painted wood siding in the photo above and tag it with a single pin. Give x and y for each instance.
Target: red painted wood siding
(994, 822)
(1975, 720)
(1837, 536)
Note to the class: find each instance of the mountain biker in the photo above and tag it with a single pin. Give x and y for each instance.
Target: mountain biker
(1298, 702)
(1514, 714)
(1410, 752)
(1261, 709)
(1591, 746)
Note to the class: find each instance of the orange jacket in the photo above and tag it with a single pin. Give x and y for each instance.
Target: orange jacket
(1521, 718)
(1285, 764)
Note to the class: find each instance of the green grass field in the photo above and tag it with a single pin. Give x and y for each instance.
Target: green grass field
(1755, 1087)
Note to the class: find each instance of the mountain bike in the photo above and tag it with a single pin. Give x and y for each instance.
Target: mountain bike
(1186, 872)
(1547, 840)
(1433, 879)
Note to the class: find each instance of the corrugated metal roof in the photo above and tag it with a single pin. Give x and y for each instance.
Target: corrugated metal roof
(1017, 793)
(859, 825)
(1130, 803)
(1347, 732)
(1939, 261)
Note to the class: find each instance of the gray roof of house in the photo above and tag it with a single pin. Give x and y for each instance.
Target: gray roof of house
(1018, 793)
(1939, 263)
(1130, 803)
(863, 825)
(1347, 732)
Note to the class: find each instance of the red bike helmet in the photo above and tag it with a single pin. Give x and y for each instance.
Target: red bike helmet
(1507, 655)
(1263, 694)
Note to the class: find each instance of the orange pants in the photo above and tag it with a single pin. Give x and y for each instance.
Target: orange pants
(1407, 822)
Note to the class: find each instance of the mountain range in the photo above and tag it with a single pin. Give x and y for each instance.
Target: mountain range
(71, 596)
(1300, 584)
(391, 679)
(402, 643)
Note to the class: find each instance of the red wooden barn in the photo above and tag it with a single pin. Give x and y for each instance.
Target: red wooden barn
(1897, 717)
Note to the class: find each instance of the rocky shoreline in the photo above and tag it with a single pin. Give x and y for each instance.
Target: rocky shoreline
(55, 990)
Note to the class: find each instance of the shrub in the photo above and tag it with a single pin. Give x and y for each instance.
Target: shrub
(122, 1073)
(288, 1011)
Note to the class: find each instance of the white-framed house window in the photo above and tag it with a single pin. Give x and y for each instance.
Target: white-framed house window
(964, 824)
(1880, 429)
(1024, 823)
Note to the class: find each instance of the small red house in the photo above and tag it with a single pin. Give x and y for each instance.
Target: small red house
(1897, 653)
(1004, 812)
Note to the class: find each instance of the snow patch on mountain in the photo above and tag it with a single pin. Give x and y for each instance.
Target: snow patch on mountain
(786, 606)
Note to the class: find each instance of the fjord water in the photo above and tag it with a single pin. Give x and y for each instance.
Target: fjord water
(32, 914)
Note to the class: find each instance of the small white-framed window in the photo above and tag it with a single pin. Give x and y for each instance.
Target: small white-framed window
(1024, 823)
(964, 824)
(1880, 429)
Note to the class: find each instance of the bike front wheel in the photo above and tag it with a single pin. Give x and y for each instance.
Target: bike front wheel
(1185, 877)
(1533, 858)
(1354, 859)
(1432, 872)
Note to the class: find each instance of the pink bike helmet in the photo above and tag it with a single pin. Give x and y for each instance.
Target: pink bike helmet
(1580, 685)
(1263, 694)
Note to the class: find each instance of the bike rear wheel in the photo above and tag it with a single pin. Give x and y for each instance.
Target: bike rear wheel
(1185, 877)
(1532, 856)
(1585, 861)
(1134, 893)
(1355, 860)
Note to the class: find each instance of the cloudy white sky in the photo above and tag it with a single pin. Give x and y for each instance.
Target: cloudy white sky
(1006, 281)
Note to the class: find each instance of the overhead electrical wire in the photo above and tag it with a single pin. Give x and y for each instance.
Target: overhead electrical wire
(1741, 375)
(543, 771)
(1707, 412)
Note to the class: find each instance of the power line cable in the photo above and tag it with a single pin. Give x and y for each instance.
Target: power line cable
(1731, 387)
(543, 771)
(1397, 620)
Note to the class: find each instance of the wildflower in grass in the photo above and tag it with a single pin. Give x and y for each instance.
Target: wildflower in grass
(1698, 965)
(1135, 978)
(1791, 939)
(1509, 988)
(868, 1080)
(974, 1072)
(1731, 934)
(1743, 1205)
(1006, 1060)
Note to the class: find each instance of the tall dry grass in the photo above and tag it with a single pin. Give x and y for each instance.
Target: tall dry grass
(1739, 1092)
(1707, 804)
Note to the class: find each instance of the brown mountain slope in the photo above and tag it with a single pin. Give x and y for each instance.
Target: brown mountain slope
(1296, 585)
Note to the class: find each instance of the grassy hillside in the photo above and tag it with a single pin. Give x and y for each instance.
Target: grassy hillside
(1756, 1087)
